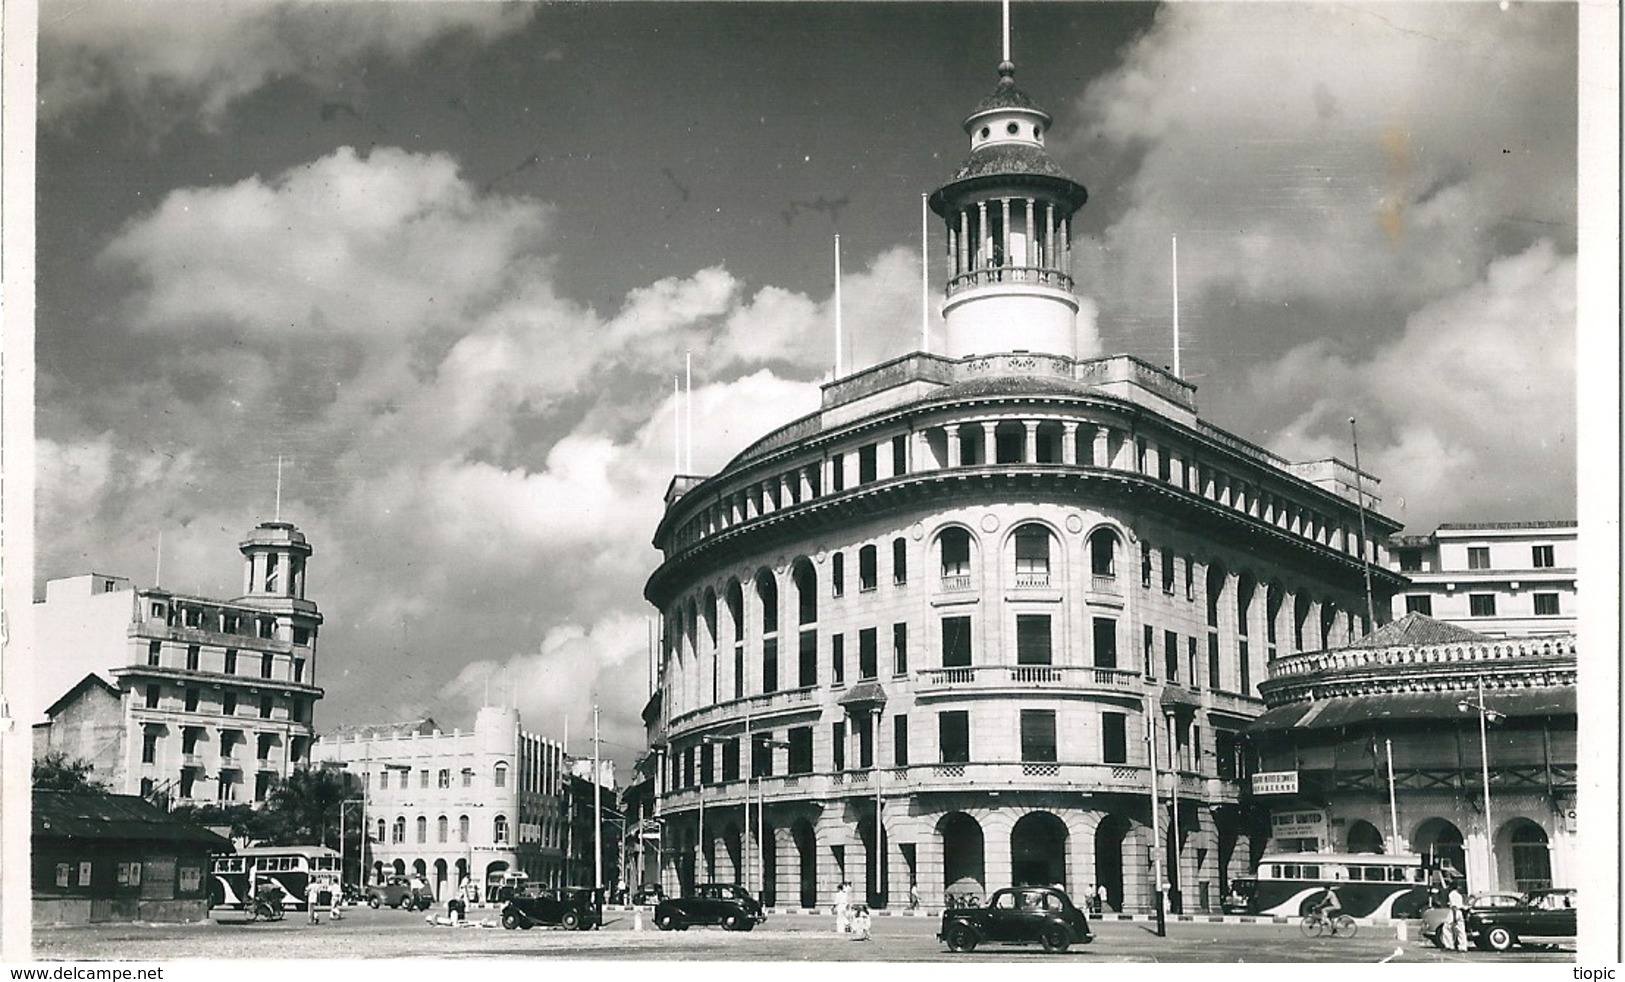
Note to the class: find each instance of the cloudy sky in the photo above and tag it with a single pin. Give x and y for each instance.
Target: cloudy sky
(445, 261)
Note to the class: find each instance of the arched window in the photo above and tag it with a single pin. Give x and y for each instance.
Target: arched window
(1364, 837)
(1531, 857)
(442, 827)
(499, 829)
(1032, 555)
(399, 830)
(806, 584)
(767, 591)
(1103, 553)
(499, 776)
(423, 829)
(955, 546)
(462, 828)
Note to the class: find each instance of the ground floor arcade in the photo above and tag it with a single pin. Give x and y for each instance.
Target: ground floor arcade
(952, 847)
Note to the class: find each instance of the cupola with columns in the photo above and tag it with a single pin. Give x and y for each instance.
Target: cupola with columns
(275, 554)
(1008, 212)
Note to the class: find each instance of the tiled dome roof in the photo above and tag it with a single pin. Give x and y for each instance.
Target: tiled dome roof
(1006, 95)
(996, 159)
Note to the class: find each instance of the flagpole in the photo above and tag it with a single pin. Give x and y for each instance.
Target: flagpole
(925, 277)
(837, 305)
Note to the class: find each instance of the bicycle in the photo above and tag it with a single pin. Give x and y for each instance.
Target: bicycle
(1316, 924)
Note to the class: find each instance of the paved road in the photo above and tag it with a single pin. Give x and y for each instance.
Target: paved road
(388, 934)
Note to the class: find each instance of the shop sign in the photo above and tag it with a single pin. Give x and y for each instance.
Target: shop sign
(1275, 782)
(1298, 825)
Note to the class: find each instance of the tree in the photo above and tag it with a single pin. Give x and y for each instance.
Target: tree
(308, 802)
(56, 771)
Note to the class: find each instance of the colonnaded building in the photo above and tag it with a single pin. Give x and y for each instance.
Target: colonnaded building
(989, 595)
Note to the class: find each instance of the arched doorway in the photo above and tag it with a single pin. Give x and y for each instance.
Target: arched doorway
(399, 866)
(1531, 853)
(1364, 837)
(770, 867)
(1038, 851)
(733, 858)
(440, 871)
(493, 879)
(1439, 840)
(1109, 835)
(807, 857)
(963, 869)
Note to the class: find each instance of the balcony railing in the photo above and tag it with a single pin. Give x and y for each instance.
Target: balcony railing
(956, 583)
(972, 775)
(1032, 580)
(1037, 275)
(995, 676)
(1107, 583)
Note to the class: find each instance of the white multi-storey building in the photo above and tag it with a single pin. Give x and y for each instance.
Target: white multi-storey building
(1511, 579)
(192, 698)
(953, 628)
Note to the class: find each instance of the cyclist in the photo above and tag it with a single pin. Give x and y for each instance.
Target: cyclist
(1330, 905)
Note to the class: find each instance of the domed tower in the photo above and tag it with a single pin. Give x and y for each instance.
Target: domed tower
(1008, 212)
(276, 554)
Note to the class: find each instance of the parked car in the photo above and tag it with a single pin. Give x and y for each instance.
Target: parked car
(398, 891)
(1018, 915)
(572, 908)
(1435, 918)
(727, 904)
(648, 893)
(1537, 914)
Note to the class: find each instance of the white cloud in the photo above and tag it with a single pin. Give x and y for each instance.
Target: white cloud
(160, 52)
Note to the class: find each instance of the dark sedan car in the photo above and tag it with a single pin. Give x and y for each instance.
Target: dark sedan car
(1020, 915)
(572, 908)
(726, 904)
(1538, 914)
(399, 891)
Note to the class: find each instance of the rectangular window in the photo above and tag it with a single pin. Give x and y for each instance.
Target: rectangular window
(1105, 642)
(267, 662)
(837, 472)
(730, 759)
(1038, 735)
(149, 747)
(1148, 653)
(1191, 659)
(1227, 750)
(1543, 557)
(1419, 604)
(837, 743)
(708, 773)
(1244, 669)
(193, 656)
(1478, 557)
(228, 704)
(801, 750)
(953, 736)
(899, 561)
(189, 738)
(837, 659)
(155, 652)
(688, 767)
(868, 568)
(262, 747)
(152, 696)
(868, 653)
(739, 671)
(899, 455)
(866, 741)
(1145, 565)
(1114, 738)
(808, 662)
(1546, 604)
(899, 649)
(955, 553)
(866, 463)
(1410, 560)
(191, 700)
(1481, 604)
(837, 573)
(770, 664)
(1170, 654)
(1168, 571)
(231, 661)
(956, 644)
(899, 741)
(298, 669)
(301, 635)
(1213, 660)
(1033, 639)
(265, 707)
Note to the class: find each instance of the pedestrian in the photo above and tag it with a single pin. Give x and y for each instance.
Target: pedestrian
(860, 922)
(1458, 917)
(1100, 899)
(913, 896)
(841, 909)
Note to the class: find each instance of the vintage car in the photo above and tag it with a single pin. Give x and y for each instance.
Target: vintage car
(1537, 914)
(398, 891)
(727, 904)
(572, 908)
(1018, 915)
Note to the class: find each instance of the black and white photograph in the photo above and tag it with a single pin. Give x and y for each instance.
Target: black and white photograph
(1036, 484)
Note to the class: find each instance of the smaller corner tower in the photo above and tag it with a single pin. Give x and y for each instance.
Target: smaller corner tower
(1008, 212)
(276, 553)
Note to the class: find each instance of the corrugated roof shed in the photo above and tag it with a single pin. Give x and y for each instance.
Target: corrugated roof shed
(94, 815)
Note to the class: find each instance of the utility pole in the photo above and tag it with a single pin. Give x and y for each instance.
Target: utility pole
(597, 809)
(1156, 843)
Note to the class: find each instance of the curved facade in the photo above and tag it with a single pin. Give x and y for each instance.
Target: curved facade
(1403, 703)
(963, 596)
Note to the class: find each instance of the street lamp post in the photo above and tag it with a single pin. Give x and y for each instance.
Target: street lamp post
(700, 844)
(1486, 716)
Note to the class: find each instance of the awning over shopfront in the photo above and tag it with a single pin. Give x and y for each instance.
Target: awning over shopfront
(1322, 714)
